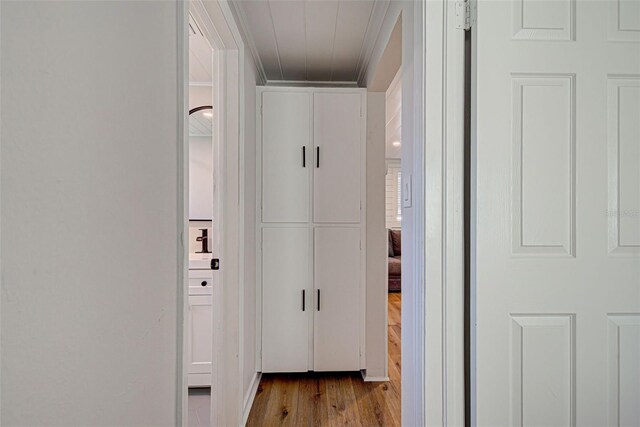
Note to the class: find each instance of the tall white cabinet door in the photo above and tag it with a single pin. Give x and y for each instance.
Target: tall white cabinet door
(285, 314)
(286, 157)
(337, 128)
(199, 340)
(336, 299)
(558, 203)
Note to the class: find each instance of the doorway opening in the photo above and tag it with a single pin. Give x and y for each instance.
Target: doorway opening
(202, 234)
(227, 334)
(211, 262)
(392, 185)
(393, 224)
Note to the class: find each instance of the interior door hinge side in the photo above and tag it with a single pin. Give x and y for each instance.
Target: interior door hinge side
(464, 15)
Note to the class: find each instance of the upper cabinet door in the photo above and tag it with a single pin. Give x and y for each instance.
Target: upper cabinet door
(286, 157)
(337, 136)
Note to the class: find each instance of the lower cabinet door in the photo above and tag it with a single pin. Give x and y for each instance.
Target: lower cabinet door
(337, 305)
(199, 340)
(286, 299)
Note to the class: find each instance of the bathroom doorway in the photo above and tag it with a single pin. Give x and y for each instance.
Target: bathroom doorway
(210, 276)
(203, 237)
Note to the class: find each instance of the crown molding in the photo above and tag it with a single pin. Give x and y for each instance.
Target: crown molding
(249, 40)
(310, 83)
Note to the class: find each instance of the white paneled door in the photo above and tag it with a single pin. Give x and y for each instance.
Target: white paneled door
(286, 299)
(336, 337)
(286, 157)
(558, 213)
(337, 138)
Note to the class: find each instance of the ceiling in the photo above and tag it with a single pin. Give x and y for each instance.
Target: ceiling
(311, 40)
(200, 81)
(201, 122)
(200, 56)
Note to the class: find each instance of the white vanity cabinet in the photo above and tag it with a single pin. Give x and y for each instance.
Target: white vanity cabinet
(199, 328)
(311, 187)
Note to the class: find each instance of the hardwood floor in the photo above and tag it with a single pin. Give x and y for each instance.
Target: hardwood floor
(333, 399)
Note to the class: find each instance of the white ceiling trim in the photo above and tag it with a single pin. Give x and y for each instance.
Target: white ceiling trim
(244, 27)
(306, 83)
(378, 15)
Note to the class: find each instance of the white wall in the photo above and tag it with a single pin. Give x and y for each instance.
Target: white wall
(393, 190)
(393, 133)
(200, 178)
(249, 371)
(376, 312)
(90, 216)
(412, 217)
(394, 117)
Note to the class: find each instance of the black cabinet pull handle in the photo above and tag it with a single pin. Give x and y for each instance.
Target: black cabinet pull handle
(317, 157)
(318, 299)
(303, 300)
(204, 283)
(304, 157)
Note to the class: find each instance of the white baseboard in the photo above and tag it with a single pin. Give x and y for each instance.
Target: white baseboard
(372, 377)
(251, 394)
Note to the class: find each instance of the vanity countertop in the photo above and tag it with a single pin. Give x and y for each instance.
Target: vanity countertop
(200, 261)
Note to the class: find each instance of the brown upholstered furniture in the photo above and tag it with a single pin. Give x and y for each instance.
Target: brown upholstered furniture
(394, 260)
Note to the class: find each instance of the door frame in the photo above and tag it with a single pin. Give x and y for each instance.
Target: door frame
(434, 389)
(217, 24)
(438, 327)
(433, 329)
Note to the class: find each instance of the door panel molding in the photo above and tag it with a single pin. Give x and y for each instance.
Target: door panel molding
(623, 146)
(543, 147)
(543, 346)
(544, 20)
(624, 21)
(624, 352)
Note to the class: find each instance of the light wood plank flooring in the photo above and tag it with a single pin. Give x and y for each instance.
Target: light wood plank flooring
(333, 399)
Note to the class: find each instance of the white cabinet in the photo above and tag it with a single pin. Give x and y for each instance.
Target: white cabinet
(336, 313)
(312, 146)
(286, 157)
(337, 139)
(285, 299)
(298, 311)
(199, 329)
